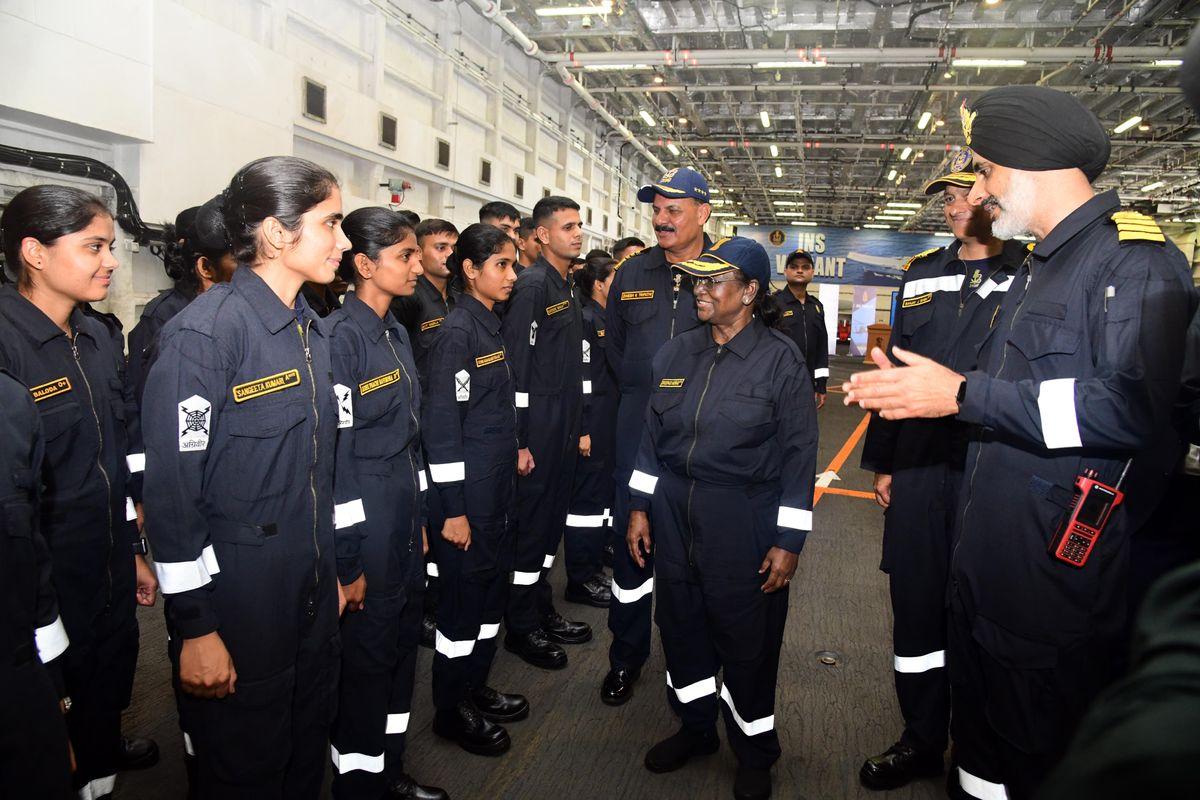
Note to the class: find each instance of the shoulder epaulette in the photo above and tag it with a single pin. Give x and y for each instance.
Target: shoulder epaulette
(1135, 227)
(1029, 246)
(617, 266)
(912, 259)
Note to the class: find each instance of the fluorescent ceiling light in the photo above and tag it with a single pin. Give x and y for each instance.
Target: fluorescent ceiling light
(787, 202)
(897, 204)
(715, 190)
(878, 227)
(613, 67)
(888, 218)
(765, 118)
(722, 214)
(1127, 124)
(809, 224)
(779, 172)
(1150, 187)
(649, 119)
(905, 153)
(603, 7)
(674, 150)
(900, 212)
(1168, 62)
(788, 64)
(786, 191)
(943, 233)
(789, 213)
(989, 62)
(891, 175)
(924, 120)
(775, 151)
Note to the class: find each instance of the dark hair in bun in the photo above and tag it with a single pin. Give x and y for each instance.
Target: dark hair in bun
(198, 232)
(370, 231)
(283, 187)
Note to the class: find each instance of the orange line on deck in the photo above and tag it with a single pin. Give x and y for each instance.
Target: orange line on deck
(849, 492)
(843, 454)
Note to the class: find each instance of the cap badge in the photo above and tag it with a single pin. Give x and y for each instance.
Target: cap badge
(968, 118)
(961, 161)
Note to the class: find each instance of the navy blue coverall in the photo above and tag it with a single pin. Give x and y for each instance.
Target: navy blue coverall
(378, 490)
(239, 421)
(1079, 372)
(543, 337)
(33, 734)
(469, 428)
(946, 305)
(648, 305)
(86, 517)
(726, 470)
(804, 323)
(590, 512)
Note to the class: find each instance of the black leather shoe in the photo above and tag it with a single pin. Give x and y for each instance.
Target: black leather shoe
(605, 578)
(563, 631)
(137, 753)
(618, 686)
(591, 592)
(405, 788)
(428, 631)
(608, 555)
(897, 766)
(471, 730)
(752, 784)
(673, 752)
(500, 707)
(534, 648)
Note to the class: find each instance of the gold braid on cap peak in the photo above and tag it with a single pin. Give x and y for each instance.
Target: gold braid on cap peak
(968, 118)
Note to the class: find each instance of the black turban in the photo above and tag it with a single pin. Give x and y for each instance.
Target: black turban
(1036, 128)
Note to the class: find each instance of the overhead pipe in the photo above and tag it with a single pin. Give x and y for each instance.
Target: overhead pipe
(817, 142)
(490, 9)
(831, 56)
(869, 87)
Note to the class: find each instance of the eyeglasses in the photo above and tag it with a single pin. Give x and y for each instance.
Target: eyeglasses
(707, 284)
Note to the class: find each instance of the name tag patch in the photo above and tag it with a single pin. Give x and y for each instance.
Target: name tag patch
(557, 307)
(431, 324)
(919, 300)
(366, 387)
(195, 416)
(640, 294)
(789, 313)
(671, 383)
(48, 390)
(490, 358)
(268, 385)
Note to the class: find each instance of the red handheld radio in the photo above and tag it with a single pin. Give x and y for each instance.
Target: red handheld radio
(1091, 508)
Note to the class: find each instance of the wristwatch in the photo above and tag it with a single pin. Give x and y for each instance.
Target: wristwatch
(141, 547)
(961, 397)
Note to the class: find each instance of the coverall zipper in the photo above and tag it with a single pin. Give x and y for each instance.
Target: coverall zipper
(312, 469)
(692, 449)
(99, 465)
(412, 415)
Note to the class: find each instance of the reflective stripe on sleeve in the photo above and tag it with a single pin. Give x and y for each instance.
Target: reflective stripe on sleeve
(347, 762)
(799, 519)
(694, 691)
(349, 513)
(51, 640)
(136, 462)
(547, 562)
(821, 372)
(431, 569)
(1056, 405)
(585, 520)
(587, 387)
(423, 481)
(448, 473)
(989, 287)
(522, 399)
(183, 576)
(525, 578)
(130, 510)
(187, 745)
(642, 482)
(915, 664)
(749, 727)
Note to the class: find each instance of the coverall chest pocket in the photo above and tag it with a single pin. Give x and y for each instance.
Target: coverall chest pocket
(266, 451)
(914, 320)
(492, 400)
(668, 406)
(751, 416)
(1042, 335)
(638, 316)
(61, 422)
(381, 427)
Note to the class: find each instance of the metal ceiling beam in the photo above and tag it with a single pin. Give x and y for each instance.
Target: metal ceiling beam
(870, 87)
(861, 55)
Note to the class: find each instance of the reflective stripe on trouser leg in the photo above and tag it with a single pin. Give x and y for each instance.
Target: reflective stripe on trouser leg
(468, 621)
(583, 541)
(691, 658)
(629, 613)
(400, 698)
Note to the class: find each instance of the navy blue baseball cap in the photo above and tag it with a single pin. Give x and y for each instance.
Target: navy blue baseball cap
(730, 253)
(676, 184)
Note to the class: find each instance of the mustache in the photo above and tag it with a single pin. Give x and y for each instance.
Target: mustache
(664, 229)
(991, 202)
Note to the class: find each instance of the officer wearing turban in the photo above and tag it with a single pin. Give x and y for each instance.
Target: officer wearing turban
(1076, 377)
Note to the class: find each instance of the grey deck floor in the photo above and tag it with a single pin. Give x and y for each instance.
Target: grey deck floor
(574, 747)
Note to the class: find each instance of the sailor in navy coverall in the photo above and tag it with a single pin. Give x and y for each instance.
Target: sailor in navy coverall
(726, 471)
(948, 298)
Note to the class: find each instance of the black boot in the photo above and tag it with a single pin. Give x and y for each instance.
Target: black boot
(673, 752)
(897, 766)
(535, 649)
(618, 685)
(136, 753)
(752, 784)
(605, 578)
(405, 788)
(428, 630)
(500, 707)
(565, 631)
(591, 592)
(471, 730)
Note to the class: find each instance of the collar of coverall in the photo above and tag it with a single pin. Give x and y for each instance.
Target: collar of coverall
(740, 345)
(365, 317)
(1102, 205)
(30, 319)
(486, 317)
(271, 311)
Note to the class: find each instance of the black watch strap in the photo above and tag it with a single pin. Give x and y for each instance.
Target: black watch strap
(962, 394)
(141, 547)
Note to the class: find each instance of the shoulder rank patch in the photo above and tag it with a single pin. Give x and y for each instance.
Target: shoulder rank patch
(490, 358)
(640, 294)
(913, 259)
(617, 266)
(366, 387)
(429, 325)
(48, 390)
(557, 307)
(789, 313)
(268, 385)
(1135, 227)
(919, 300)
(671, 383)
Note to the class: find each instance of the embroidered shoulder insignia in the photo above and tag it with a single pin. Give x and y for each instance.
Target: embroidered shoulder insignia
(913, 259)
(1135, 227)
(617, 266)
